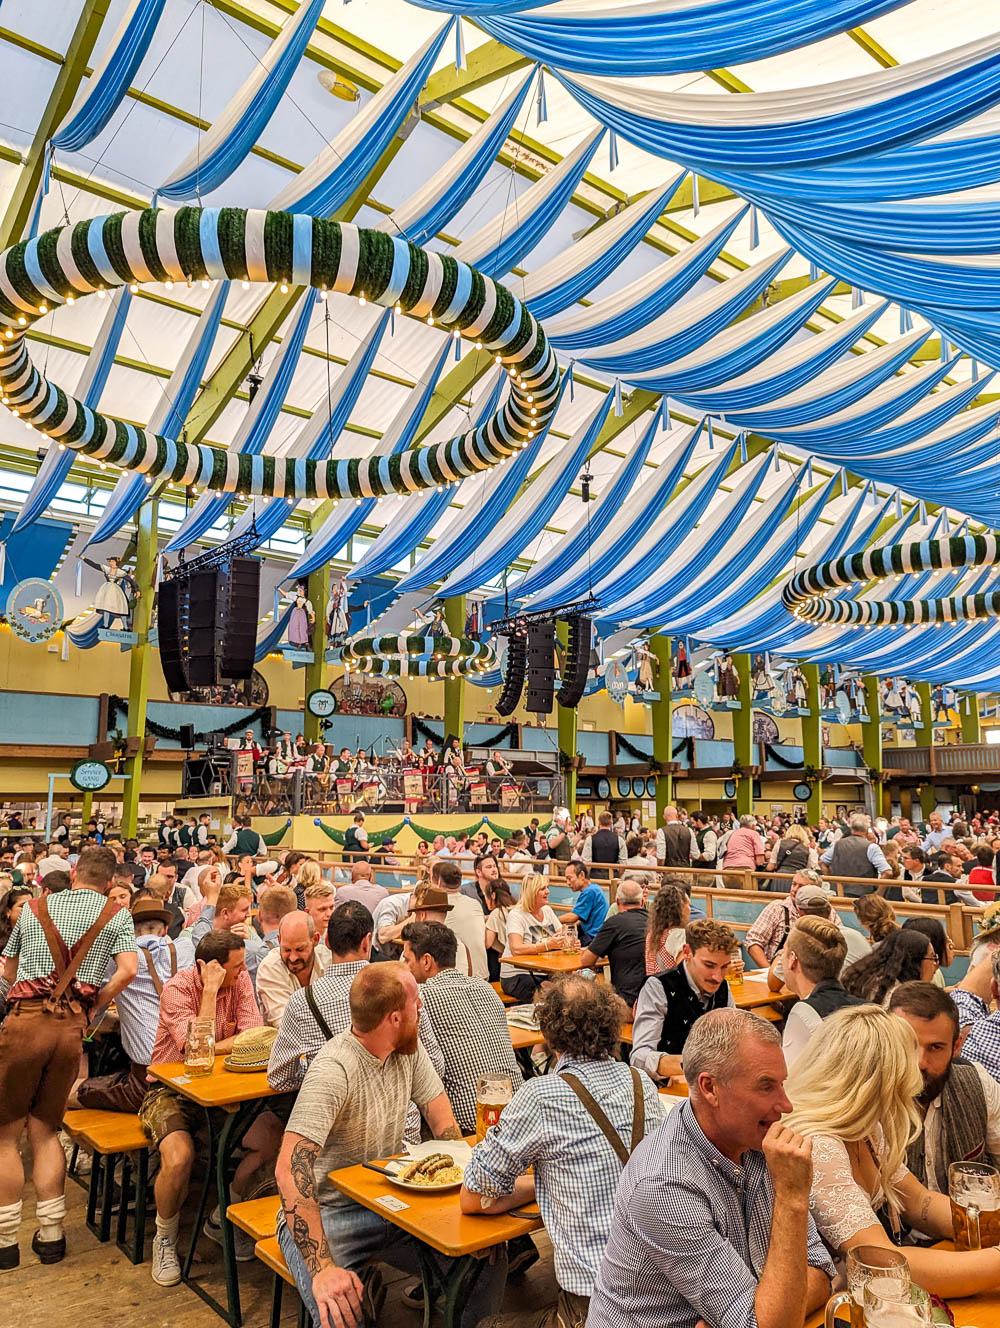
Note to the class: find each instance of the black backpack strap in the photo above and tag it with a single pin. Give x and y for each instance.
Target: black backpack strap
(311, 1002)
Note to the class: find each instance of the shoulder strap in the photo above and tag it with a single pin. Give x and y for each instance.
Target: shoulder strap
(155, 978)
(323, 1025)
(173, 959)
(601, 1120)
(82, 947)
(468, 960)
(57, 946)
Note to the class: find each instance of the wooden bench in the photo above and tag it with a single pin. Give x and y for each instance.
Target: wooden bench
(257, 1217)
(268, 1251)
(111, 1135)
(507, 1000)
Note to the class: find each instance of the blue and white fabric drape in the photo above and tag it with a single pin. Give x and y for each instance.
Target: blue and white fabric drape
(221, 149)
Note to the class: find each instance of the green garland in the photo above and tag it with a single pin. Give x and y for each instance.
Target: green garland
(192, 244)
(276, 836)
(426, 833)
(804, 594)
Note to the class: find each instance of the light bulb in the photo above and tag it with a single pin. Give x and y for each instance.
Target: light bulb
(134, 287)
(71, 299)
(102, 294)
(245, 285)
(205, 283)
(430, 320)
(361, 299)
(283, 288)
(168, 284)
(22, 321)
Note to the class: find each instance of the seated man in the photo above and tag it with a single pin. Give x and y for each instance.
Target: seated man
(465, 917)
(466, 1014)
(767, 935)
(548, 1126)
(813, 957)
(273, 905)
(218, 988)
(973, 994)
(669, 1003)
(362, 887)
(982, 1041)
(352, 1108)
(320, 900)
(590, 907)
(299, 961)
(622, 940)
(712, 1215)
(231, 912)
(138, 1007)
(960, 1103)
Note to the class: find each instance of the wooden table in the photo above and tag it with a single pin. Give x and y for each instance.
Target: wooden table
(242, 1097)
(437, 1221)
(556, 961)
(755, 992)
(523, 1038)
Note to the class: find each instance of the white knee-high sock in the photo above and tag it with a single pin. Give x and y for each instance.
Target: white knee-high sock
(50, 1215)
(10, 1222)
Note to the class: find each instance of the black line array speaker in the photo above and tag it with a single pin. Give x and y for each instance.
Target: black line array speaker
(513, 681)
(576, 662)
(187, 737)
(208, 625)
(541, 667)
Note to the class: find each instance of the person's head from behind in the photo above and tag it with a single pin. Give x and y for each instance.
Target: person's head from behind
(984, 856)
(859, 823)
(54, 882)
(94, 869)
(232, 908)
(876, 915)
(361, 871)
(629, 895)
(309, 873)
(933, 1016)
(862, 1073)
(708, 950)
(320, 901)
(816, 949)
(447, 875)
(385, 1005)
(297, 941)
(581, 1019)
(275, 904)
(428, 947)
(227, 950)
(349, 932)
(735, 1073)
(904, 956)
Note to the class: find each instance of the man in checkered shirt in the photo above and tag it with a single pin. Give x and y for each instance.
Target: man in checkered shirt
(576, 1168)
(712, 1217)
(982, 1043)
(466, 1014)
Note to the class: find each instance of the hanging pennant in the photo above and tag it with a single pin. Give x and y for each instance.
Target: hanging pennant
(64, 652)
(754, 230)
(711, 436)
(458, 350)
(743, 447)
(807, 478)
(161, 567)
(813, 271)
(843, 483)
(78, 578)
(922, 511)
(665, 412)
(612, 151)
(695, 207)
(776, 459)
(569, 378)
(618, 397)
(899, 506)
(459, 46)
(542, 107)
(857, 299)
(975, 371)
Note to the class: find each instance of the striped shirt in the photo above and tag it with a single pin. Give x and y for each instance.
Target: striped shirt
(73, 912)
(690, 1234)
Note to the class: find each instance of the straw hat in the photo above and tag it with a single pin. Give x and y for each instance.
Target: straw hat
(251, 1050)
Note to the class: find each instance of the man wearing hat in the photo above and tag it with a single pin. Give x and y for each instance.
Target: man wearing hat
(428, 903)
(769, 933)
(138, 1007)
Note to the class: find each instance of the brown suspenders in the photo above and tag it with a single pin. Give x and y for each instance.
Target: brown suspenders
(155, 978)
(67, 961)
(604, 1125)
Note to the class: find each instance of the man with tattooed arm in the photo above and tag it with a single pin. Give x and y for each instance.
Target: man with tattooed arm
(352, 1108)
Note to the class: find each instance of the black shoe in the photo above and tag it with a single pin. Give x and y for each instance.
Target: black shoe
(521, 1254)
(413, 1295)
(49, 1251)
(10, 1258)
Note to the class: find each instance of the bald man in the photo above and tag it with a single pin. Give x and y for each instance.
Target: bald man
(298, 961)
(363, 888)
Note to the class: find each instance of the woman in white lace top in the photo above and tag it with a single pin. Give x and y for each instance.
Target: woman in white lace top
(853, 1093)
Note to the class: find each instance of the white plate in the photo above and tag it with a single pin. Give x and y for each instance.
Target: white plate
(423, 1189)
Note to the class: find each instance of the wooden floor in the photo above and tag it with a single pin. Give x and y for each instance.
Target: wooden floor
(96, 1286)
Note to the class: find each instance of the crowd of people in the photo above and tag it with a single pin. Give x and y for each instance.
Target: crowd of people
(375, 1012)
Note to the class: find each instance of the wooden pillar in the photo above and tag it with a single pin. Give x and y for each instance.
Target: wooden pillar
(743, 750)
(566, 724)
(662, 722)
(871, 740)
(454, 688)
(812, 738)
(318, 590)
(139, 660)
(925, 738)
(971, 728)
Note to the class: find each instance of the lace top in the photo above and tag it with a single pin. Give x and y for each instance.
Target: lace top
(840, 1206)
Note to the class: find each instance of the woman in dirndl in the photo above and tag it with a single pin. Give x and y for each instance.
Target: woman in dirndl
(302, 620)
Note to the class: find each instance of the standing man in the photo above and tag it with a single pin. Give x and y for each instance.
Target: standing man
(706, 841)
(56, 966)
(299, 961)
(622, 941)
(712, 1215)
(352, 1108)
(465, 918)
(245, 839)
(590, 907)
(937, 832)
(551, 1125)
(603, 846)
(675, 843)
(670, 1003)
(560, 837)
(855, 854)
(356, 845)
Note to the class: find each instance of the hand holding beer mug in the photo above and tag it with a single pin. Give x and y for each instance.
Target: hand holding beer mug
(734, 973)
(884, 1269)
(493, 1092)
(974, 1190)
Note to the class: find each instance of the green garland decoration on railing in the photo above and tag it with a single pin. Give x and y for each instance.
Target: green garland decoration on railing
(376, 837)
(276, 836)
(804, 593)
(196, 244)
(426, 833)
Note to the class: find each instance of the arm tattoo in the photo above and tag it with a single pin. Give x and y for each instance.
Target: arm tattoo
(451, 1132)
(314, 1252)
(301, 1166)
(924, 1210)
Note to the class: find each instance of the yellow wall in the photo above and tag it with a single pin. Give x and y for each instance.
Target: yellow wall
(305, 835)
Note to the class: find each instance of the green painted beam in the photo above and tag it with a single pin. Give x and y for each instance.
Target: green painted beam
(140, 660)
(971, 727)
(68, 80)
(484, 65)
(661, 720)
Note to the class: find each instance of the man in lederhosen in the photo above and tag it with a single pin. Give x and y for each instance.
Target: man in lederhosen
(56, 962)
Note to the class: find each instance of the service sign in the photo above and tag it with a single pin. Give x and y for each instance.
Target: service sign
(89, 776)
(34, 610)
(321, 703)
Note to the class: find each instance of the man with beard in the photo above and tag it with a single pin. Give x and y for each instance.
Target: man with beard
(298, 961)
(960, 1101)
(351, 1108)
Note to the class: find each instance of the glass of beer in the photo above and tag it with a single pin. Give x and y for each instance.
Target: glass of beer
(493, 1092)
(974, 1190)
(889, 1311)
(885, 1270)
(734, 973)
(570, 938)
(199, 1047)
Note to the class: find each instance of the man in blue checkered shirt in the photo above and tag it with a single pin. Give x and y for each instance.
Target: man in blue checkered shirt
(712, 1215)
(982, 1043)
(547, 1126)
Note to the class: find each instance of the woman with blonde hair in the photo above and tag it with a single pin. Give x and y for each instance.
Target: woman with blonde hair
(792, 853)
(532, 928)
(309, 874)
(853, 1094)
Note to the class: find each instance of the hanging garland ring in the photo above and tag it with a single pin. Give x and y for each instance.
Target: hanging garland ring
(426, 656)
(804, 595)
(202, 244)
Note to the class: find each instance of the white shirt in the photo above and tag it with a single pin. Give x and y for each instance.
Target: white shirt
(275, 983)
(932, 1123)
(650, 1011)
(466, 920)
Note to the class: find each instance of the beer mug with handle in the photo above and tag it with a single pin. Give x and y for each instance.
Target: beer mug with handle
(974, 1190)
(880, 1265)
(888, 1311)
(199, 1047)
(493, 1092)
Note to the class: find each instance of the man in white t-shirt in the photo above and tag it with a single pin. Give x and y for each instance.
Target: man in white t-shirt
(465, 916)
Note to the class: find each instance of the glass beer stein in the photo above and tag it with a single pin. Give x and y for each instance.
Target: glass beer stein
(974, 1190)
(885, 1270)
(493, 1092)
(889, 1311)
(199, 1047)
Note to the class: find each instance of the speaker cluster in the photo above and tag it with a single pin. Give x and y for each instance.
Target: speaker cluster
(577, 661)
(513, 679)
(208, 624)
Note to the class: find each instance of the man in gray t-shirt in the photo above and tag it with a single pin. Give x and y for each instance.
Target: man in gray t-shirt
(351, 1108)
